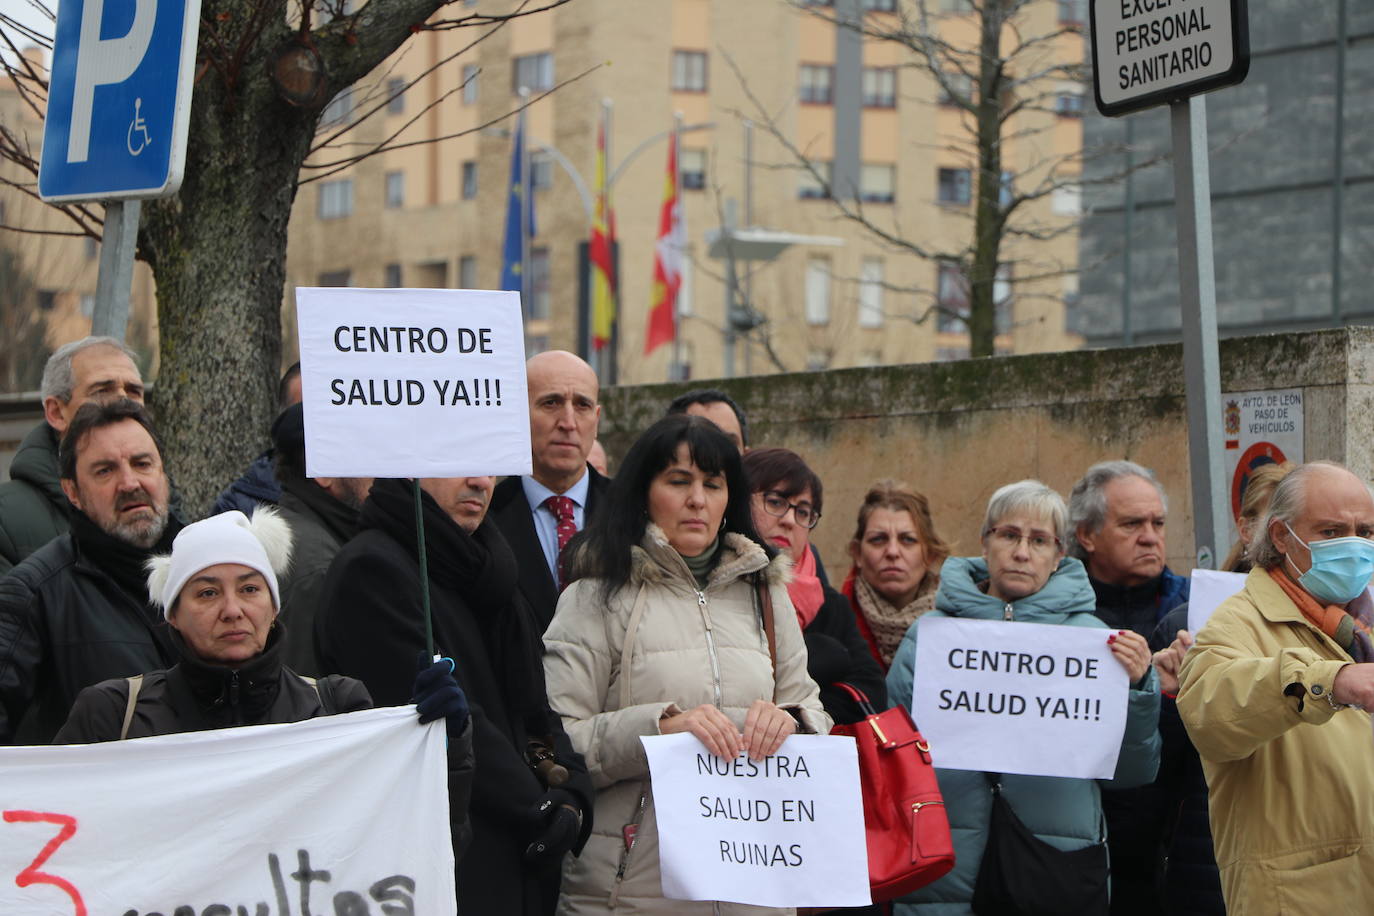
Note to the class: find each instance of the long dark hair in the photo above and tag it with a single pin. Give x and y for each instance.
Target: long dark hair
(602, 549)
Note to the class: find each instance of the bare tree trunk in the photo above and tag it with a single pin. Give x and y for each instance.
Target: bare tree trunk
(987, 219)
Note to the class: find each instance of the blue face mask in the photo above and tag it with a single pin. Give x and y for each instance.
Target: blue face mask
(1341, 568)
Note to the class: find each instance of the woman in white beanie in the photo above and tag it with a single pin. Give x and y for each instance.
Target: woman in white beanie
(218, 592)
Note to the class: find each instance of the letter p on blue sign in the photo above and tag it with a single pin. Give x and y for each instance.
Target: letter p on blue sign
(119, 101)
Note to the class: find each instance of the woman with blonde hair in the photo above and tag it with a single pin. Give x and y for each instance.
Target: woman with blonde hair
(896, 572)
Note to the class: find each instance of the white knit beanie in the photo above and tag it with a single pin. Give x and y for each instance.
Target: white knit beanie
(262, 543)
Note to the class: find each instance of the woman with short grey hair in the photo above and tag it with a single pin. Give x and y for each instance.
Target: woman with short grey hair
(1023, 575)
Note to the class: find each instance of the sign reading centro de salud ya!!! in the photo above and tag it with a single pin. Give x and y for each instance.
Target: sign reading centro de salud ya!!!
(119, 99)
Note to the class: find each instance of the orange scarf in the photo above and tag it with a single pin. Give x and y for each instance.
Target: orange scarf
(805, 589)
(1332, 619)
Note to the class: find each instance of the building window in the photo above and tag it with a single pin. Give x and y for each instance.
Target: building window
(1068, 104)
(811, 189)
(955, 187)
(871, 293)
(469, 179)
(956, 89)
(334, 278)
(395, 95)
(395, 190)
(1067, 200)
(1073, 12)
(541, 170)
(339, 108)
(392, 278)
(877, 183)
(951, 295)
(880, 6)
(470, 72)
(1001, 299)
(880, 87)
(467, 272)
(956, 6)
(689, 71)
(692, 169)
(336, 198)
(87, 305)
(817, 84)
(818, 360)
(539, 284)
(533, 72)
(1006, 190)
(817, 291)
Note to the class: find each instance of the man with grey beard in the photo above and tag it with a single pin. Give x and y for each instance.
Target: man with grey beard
(323, 515)
(76, 611)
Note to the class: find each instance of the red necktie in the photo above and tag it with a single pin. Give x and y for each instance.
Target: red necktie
(562, 509)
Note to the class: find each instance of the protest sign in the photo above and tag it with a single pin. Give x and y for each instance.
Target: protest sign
(784, 831)
(1025, 698)
(1209, 588)
(337, 815)
(413, 382)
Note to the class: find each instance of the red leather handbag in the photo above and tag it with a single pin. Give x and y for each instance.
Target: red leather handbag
(909, 845)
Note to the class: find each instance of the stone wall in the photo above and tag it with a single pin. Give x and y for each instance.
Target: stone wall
(957, 431)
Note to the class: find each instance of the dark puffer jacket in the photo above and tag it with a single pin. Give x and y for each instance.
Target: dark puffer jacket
(33, 508)
(65, 625)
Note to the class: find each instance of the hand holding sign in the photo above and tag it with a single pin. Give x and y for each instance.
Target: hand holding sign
(1131, 649)
(708, 725)
(1168, 661)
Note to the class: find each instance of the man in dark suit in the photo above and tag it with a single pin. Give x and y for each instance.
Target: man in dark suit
(539, 513)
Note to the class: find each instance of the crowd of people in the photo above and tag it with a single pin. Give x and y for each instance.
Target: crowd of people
(575, 612)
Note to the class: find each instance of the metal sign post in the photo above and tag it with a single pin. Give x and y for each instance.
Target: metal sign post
(1148, 53)
(117, 245)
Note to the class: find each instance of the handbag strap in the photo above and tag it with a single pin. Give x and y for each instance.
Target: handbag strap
(769, 631)
(858, 696)
(627, 647)
(135, 685)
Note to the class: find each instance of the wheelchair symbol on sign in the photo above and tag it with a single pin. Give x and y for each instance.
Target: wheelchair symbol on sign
(136, 127)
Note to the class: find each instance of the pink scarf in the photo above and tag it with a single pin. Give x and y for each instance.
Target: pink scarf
(805, 589)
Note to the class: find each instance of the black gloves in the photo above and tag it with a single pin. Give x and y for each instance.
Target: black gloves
(438, 696)
(558, 823)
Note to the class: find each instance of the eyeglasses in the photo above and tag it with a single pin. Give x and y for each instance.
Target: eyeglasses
(1010, 537)
(776, 505)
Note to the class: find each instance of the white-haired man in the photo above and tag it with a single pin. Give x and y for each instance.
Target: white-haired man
(1275, 695)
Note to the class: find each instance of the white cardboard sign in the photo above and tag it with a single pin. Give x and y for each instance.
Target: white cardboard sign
(1209, 588)
(786, 831)
(413, 382)
(1028, 698)
(341, 814)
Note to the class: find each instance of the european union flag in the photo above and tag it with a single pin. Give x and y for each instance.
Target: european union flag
(519, 220)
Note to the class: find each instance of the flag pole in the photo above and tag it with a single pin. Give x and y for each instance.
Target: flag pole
(612, 348)
(424, 568)
(526, 208)
(677, 373)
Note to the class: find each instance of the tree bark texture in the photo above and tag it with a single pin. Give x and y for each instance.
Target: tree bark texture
(987, 219)
(218, 247)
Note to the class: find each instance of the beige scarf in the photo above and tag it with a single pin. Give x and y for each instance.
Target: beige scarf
(889, 624)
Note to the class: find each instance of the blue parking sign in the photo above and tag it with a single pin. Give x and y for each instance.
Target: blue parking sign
(119, 100)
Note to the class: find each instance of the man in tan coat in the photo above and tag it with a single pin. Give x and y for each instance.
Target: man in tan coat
(1274, 696)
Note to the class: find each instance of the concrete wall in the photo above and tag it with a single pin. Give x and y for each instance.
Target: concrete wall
(957, 431)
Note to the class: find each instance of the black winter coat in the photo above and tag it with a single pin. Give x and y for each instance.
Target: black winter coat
(1192, 883)
(370, 626)
(836, 651)
(65, 625)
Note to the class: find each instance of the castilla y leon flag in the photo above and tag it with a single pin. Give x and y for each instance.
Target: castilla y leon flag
(600, 252)
(668, 252)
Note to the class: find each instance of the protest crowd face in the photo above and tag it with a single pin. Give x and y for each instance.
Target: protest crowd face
(890, 554)
(1318, 502)
(464, 499)
(688, 503)
(94, 369)
(786, 501)
(225, 613)
(1021, 550)
(564, 414)
(116, 477)
(1122, 538)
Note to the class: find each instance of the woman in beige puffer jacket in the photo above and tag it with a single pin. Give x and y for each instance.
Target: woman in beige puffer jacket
(644, 645)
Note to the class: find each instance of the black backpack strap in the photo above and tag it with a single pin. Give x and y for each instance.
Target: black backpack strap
(135, 685)
(323, 690)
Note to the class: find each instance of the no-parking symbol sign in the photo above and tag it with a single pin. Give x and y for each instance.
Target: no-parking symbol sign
(1260, 427)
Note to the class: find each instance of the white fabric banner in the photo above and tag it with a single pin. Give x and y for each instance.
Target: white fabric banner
(413, 382)
(1209, 588)
(343, 814)
(784, 831)
(1028, 698)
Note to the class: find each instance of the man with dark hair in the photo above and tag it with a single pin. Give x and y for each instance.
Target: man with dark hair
(33, 508)
(718, 407)
(259, 483)
(323, 514)
(76, 612)
(539, 513)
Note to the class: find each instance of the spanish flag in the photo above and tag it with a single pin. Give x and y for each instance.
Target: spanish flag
(600, 251)
(668, 257)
